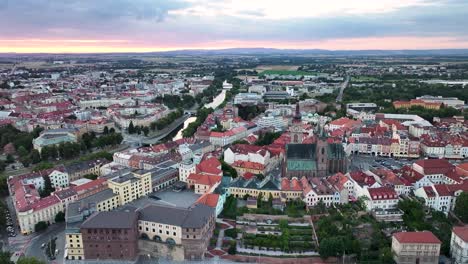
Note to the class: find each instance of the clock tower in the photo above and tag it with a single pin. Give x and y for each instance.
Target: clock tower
(295, 131)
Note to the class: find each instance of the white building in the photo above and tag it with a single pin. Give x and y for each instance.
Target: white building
(185, 169)
(459, 245)
(58, 179)
(247, 98)
(381, 198)
(227, 86)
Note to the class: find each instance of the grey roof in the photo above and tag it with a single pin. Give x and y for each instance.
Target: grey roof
(124, 178)
(84, 165)
(65, 193)
(193, 217)
(199, 145)
(111, 219)
(117, 173)
(158, 173)
(81, 207)
(300, 151)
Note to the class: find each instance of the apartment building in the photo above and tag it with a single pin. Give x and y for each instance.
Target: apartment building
(79, 170)
(190, 227)
(416, 247)
(131, 186)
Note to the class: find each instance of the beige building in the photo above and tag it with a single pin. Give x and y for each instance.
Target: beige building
(191, 227)
(74, 245)
(131, 186)
(43, 210)
(416, 247)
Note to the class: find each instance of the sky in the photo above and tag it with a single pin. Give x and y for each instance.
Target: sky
(81, 26)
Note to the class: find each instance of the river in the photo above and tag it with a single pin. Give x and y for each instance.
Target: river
(219, 99)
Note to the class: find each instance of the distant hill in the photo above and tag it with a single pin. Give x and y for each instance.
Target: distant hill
(272, 51)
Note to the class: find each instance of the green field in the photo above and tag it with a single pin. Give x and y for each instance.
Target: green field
(286, 72)
(364, 79)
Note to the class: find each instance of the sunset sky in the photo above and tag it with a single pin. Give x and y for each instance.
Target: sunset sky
(157, 25)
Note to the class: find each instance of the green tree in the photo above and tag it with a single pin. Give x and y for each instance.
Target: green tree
(131, 128)
(60, 217)
(43, 166)
(5, 257)
(386, 255)
(331, 247)
(40, 226)
(90, 176)
(48, 189)
(29, 260)
(22, 151)
(35, 156)
(3, 185)
(461, 207)
(10, 159)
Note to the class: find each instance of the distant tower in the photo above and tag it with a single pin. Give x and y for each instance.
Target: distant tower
(322, 156)
(295, 130)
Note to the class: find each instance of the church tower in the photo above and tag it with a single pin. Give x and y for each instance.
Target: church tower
(295, 131)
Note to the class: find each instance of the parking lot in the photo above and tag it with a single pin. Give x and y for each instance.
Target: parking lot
(363, 162)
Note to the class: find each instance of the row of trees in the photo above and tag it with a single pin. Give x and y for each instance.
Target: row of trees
(159, 125)
(185, 101)
(202, 114)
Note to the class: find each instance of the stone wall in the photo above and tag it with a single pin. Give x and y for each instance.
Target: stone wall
(157, 249)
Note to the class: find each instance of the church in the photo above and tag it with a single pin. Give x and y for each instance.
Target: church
(318, 159)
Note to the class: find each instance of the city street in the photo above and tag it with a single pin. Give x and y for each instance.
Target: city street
(34, 248)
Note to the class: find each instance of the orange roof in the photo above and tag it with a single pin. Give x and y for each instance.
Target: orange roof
(210, 199)
(210, 166)
(204, 179)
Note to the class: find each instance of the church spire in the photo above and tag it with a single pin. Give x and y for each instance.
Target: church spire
(297, 115)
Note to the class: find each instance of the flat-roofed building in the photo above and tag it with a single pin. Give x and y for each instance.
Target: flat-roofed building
(131, 186)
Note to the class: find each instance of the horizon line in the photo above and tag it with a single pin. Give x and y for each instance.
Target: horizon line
(230, 48)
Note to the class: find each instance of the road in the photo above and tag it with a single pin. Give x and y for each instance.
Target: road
(34, 249)
(343, 87)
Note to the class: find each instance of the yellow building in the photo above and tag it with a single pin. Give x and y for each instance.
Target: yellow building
(74, 245)
(287, 189)
(131, 186)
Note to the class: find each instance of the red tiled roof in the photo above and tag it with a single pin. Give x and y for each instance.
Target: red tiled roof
(89, 185)
(338, 180)
(210, 199)
(248, 165)
(424, 237)
(291, 185)
(435, 166)
(382, 193)
(204, 179)
(210, 166)
(461, 232)
(45, 202)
